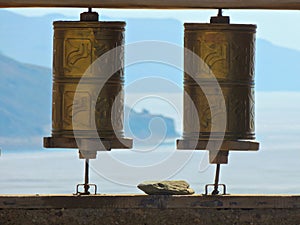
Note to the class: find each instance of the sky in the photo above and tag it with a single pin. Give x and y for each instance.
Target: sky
(279, 27)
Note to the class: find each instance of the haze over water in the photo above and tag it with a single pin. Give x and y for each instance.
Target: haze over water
(274, 169)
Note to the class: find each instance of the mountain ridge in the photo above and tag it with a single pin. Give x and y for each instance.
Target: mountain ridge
(25, 112)
(29, 39)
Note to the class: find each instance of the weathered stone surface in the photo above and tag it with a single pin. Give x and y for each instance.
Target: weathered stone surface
(176, 187)
(149, 209)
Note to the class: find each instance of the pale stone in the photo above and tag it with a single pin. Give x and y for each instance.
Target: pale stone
(175, 187)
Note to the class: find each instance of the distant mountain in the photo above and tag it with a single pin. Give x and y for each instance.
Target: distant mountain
(277, 68)
(146, 126)
(25, 108)
(24, 103)
(29, 39)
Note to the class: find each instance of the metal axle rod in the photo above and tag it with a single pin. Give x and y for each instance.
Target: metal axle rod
(86, 185)
(86, 178)
(216, 191)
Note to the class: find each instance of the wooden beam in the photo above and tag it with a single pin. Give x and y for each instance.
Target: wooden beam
(157, 4)
(127, 201)
(150, 209)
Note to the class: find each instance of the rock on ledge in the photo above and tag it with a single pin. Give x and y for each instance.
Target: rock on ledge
(176, 187)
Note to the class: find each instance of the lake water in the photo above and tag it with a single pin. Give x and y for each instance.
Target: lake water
(274, 169)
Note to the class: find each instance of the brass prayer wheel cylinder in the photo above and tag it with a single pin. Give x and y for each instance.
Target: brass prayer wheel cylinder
(228, 52)
(76, 46)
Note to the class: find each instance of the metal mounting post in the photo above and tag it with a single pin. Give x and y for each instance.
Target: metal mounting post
(86, 184)
(216, 184)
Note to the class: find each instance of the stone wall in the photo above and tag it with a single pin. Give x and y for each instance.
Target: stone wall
(144, 209)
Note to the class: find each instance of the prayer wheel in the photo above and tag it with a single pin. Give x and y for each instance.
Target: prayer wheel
(226, 63)
(77, 45)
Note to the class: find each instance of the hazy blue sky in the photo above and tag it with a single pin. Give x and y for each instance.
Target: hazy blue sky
(279, 27)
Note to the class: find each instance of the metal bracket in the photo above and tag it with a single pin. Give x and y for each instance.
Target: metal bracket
(213, 185)
(86, 187)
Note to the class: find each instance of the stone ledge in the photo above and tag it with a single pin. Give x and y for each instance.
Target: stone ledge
(149, 210)
(150, 202)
